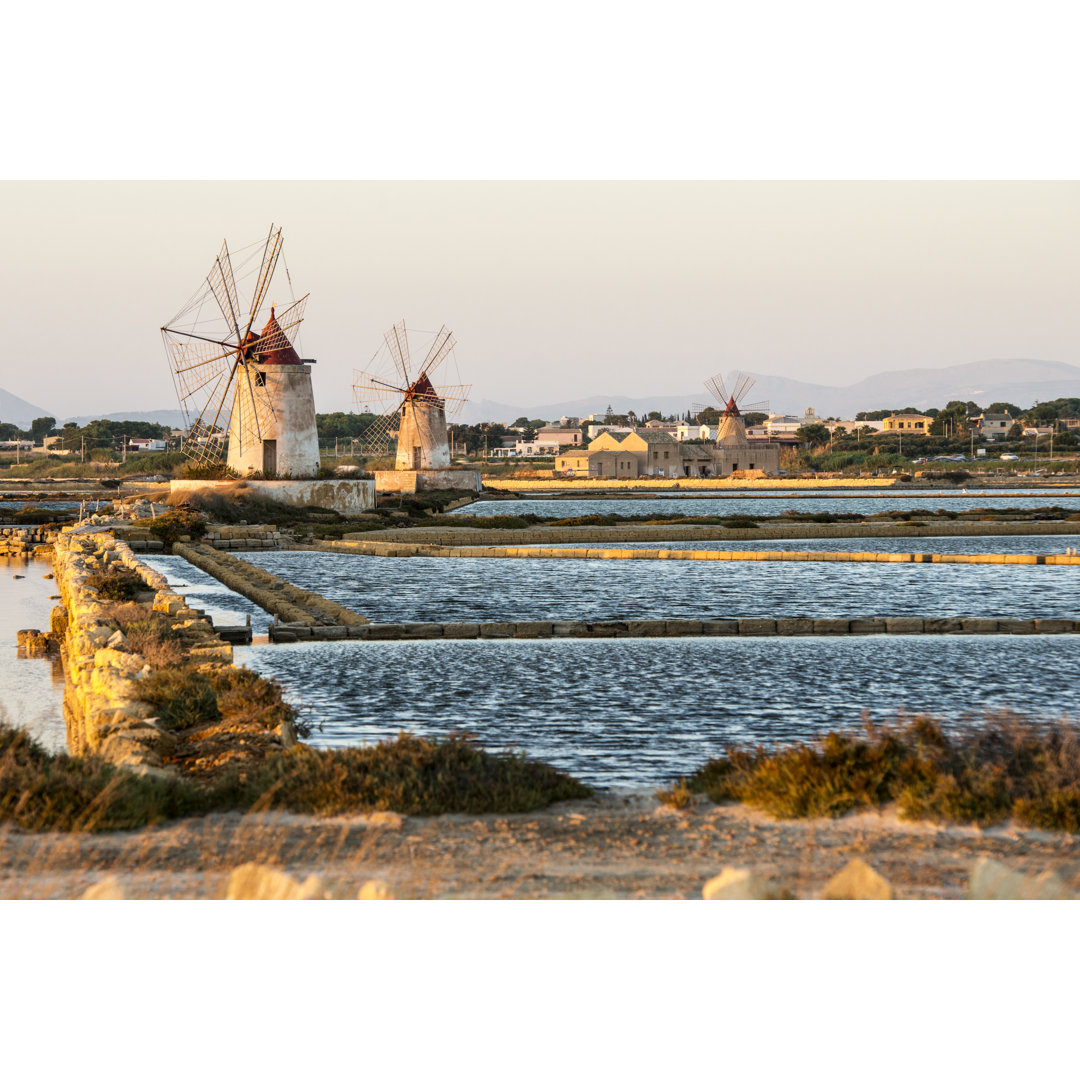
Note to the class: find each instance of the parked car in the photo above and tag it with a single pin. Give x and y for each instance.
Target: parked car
(1009, 457)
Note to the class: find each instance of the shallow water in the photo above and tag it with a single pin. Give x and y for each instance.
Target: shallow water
(645, 711)
(854, 502)
(911, 542)
(223, 606)
(31, 688)
(486, 589)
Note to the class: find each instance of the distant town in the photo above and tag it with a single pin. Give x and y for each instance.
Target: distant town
(628, 446)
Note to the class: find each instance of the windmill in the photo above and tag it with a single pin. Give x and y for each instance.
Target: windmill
(410, 408)
(244, 389)
(731, 430)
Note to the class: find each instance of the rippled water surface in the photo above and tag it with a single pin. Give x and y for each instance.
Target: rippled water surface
(487, 589)
(853, 502)
(31, 688)
(911, 541)
(644, 711)
(223, 606)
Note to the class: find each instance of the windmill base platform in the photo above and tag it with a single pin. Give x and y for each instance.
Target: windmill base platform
(411, 481)
(345, 496)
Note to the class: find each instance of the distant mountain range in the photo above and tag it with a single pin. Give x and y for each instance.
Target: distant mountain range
(13, 410)
(170, 418)
(1021, 382)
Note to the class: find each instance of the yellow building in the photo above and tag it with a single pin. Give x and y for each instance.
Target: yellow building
(910, 423)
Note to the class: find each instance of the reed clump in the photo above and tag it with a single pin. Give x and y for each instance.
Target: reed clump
(981, 771)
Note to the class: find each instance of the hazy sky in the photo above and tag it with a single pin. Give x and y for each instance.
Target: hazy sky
(554, 290)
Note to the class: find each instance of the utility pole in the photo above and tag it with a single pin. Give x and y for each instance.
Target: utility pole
(82, 449)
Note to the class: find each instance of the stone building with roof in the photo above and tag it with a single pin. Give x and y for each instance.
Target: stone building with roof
(648, 452)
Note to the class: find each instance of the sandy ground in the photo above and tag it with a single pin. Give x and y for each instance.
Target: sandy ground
(613, 846)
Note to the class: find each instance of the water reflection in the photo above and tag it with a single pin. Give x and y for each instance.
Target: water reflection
(31, 688)
(223, 606)
(643, 711)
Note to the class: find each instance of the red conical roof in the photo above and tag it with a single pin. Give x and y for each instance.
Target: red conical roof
(274, 347)
(423, 390)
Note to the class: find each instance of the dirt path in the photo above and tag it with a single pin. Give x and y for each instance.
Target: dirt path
(609, 847)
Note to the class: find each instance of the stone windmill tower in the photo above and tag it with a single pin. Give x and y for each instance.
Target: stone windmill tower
(731, 429)
(245, 394)
(417, 408)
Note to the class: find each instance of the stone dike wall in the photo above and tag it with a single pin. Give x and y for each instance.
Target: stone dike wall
(288, 603)
(612, 535)
(225, 537)
(101, 706)
(672, 628)
(712, 483)
(744, 555)
(23, 539)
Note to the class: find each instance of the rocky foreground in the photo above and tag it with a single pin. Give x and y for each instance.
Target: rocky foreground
(609, 847)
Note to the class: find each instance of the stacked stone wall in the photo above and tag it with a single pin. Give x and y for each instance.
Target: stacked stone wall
(101, 706)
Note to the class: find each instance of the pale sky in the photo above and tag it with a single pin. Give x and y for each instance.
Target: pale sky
(555, 290)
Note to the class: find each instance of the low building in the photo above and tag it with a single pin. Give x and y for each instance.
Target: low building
(648, 452)
(544, 447)
(566, 436)
(992, 425)
(146, 445)
(907, 423)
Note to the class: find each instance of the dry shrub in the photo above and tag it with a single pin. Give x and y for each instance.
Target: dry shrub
(44, 791)
(412, 776)
(116, 582)
(986, 771)
(149, 633)
(245, 697)
(181, 697)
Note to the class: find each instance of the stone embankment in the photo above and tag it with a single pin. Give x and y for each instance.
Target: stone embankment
(298, 609)
(435, 551)
(712, 483)
(636, 628)
(101, 702)
(222, 537)
(612, 535)
(22, 540)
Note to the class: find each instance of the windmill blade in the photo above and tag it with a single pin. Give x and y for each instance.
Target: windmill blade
(755, 406)
(453, 398)
(206, 435)
(718, 390)
(397, 342)
(377, 436)
(440, 349)
(266, 272)
(696, 408)
(195, 367)
(253, 412)
(742, 387)
(372, 389)
(222, 285)
(280, 338)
